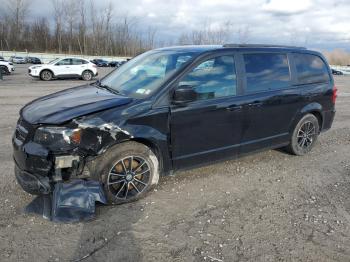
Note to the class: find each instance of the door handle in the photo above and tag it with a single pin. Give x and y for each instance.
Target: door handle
(234, 108)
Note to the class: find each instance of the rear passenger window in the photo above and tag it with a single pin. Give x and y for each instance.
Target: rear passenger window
(266, 72)
(310, 69)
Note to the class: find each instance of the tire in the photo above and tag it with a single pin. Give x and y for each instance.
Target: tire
(87, 75)
(46, 75)
(304, 135)
(4, 70)
(122, 187)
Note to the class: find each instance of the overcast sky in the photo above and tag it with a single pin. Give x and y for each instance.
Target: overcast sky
(323, 24)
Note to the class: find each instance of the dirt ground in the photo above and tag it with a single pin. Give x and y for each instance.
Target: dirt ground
(269, 206)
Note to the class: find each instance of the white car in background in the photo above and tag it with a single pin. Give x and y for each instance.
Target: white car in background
(6, 67)
(64, 68)
(17, 60)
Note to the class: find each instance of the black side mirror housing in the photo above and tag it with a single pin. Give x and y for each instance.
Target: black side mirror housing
(184, 94)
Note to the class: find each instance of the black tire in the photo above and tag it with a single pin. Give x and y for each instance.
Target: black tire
(304, 135)
(87, 75)
(120, 186)
(4, 70)
(46, 75)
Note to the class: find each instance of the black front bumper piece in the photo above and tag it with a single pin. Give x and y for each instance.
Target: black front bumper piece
(31, 183)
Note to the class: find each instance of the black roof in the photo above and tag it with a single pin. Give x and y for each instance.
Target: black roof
(261, 46)
(204, 48)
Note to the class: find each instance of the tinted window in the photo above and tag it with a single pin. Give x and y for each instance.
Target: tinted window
(310, 69)
(266, 72)
(66, 61)
(76, 61)
(213, 78)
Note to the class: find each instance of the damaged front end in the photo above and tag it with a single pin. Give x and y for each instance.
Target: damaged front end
(46, 154)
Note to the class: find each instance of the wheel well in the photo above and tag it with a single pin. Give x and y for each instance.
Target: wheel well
(319, 117)
(153, 147)
(47, 70)
(87, 70)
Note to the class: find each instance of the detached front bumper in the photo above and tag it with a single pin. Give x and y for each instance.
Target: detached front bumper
(31, 183)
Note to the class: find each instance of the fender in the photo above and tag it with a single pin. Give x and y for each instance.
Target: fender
(312, 108)
(53, 74)
(102, 135)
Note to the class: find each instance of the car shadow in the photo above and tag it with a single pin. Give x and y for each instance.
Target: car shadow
(111, 237)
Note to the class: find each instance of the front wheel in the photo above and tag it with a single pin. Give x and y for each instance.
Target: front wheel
(46, 75)
(130, 170)
(304, 135)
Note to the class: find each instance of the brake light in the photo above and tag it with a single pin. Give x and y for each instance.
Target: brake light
(94, 65)
(334, 95)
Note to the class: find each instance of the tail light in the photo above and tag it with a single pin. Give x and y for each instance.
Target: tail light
(94, 65)
(334, 94)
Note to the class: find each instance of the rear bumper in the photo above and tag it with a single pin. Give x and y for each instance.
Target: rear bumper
(328, 117)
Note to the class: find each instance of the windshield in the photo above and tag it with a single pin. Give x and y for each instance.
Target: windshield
(144, 74)
(54, 61)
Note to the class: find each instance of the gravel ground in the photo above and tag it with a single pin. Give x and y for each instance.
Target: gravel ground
(269, 206)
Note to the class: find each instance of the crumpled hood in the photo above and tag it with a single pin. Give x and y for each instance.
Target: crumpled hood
(65, 105)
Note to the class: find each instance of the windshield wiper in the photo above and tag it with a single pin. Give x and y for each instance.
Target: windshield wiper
(108, 88)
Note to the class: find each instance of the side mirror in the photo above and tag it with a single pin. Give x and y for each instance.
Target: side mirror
(184, 94)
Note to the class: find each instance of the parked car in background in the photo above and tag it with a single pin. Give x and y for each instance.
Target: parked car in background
(100, 62)
(64, 68)
(114, 63)
(336, 72)
(17, 60)
(6, 67)
(172, 108)
(32, 60)
(2, 58)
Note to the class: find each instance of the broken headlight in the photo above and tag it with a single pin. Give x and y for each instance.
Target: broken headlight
(58, 138)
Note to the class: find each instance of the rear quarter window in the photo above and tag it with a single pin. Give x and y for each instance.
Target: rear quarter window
(266, 71)
(310, 69)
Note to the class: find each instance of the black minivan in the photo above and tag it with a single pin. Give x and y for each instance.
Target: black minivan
(173, 108)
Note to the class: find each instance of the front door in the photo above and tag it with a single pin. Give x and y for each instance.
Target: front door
(63, 67)
(208, 128)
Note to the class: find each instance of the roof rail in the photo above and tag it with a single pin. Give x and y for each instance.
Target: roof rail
(262, 45)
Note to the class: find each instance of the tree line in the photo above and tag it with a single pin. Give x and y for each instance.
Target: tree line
(72, 26)
(80, 27)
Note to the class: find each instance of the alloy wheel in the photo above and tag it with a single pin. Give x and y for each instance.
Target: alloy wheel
(87, 76)
(129, 177)
(46, 75)
(306, 135)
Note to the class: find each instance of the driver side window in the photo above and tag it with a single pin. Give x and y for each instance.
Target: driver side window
(213, 78)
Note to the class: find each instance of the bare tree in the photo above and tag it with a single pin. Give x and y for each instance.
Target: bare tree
(17, 12)
(58, 12)
(71, 12)
(207, 35)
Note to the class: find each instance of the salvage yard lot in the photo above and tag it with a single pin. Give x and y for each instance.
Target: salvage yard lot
(264, 207)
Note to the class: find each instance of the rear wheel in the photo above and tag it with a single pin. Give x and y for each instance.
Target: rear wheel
(130, 170)
(304, 135)
(46, 75)
(87, 75)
